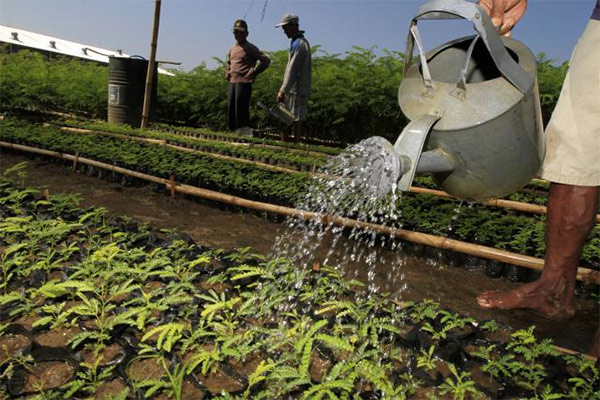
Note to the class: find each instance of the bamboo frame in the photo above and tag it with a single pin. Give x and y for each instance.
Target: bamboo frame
(583, 274)
(162, 142)
(113, 134)
(499, 203)
(263, 145)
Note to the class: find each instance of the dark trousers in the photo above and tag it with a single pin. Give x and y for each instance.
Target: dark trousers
(238, 97)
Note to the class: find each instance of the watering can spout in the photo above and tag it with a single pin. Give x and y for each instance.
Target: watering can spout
(383, 166)
(409, 146)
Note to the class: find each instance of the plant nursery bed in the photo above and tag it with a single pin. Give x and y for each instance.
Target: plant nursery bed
(180, 320)
(425, 273)
(475, 223)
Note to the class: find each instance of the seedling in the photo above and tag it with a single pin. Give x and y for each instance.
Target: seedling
(459, 384)
(426, 360)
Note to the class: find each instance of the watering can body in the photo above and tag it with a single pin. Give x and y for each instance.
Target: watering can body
(473, 105)
(490, 132)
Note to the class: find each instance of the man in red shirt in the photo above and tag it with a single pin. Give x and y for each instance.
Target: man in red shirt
(241, 71)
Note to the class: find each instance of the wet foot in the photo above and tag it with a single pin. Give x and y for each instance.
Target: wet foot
(546, 299)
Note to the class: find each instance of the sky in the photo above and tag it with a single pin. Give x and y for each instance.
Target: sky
(195, 31)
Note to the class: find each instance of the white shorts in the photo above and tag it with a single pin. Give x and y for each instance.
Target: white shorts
(573, 134)
(297, 104)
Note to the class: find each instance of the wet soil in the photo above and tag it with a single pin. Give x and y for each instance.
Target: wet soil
(108, 355)
(58, 337)
(212, 225)
(47, 375)
(11, 345)
(218, 382)
(109, 390)
(145, 368)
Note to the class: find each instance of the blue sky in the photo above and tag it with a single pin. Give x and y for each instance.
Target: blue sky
(195, 31)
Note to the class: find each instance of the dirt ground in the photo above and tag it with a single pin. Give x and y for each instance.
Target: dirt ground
(212, 225)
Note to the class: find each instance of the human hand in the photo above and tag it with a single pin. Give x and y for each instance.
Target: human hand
(504, 13)
(280, 97)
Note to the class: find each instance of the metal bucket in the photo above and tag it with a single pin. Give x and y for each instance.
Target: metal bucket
(474, 109)
(126, 88)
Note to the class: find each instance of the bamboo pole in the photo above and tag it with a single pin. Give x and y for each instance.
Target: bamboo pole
(499, 203)
(113, 134)
(151, 64)
(162, 142)
(271, 147)
(583, 274)
(238, 160)
(564, 350)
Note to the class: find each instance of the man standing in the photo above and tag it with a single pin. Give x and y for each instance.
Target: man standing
(240, 73)
(571, 165)
(295, 89)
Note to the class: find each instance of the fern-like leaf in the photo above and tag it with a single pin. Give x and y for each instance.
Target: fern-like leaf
(334, 343)
(168, 334)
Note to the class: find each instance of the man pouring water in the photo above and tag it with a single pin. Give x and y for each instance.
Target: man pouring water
(571, 165)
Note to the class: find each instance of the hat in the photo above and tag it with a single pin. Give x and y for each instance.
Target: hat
(287, 19)
(240, 25)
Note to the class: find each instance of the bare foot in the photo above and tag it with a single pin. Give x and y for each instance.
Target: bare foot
(548, 298)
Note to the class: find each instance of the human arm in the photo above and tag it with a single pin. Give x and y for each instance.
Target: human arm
(264, 62)
(504, 13)
(228, 66)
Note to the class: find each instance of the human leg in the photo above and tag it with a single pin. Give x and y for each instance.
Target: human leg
(290, 105)
(244, 92)
(297, 131)
(571, 216)
(231, 106)
(572, 142)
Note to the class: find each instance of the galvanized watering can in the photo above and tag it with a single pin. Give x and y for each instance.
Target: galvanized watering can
(279, 112)
(473, 104)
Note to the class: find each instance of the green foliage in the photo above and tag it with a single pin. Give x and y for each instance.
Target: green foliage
(476, 223)
(306, 334)
(550, 79)
(167, 335)
(30, 81)
(460, 384)
(354, 94)
(426, 359)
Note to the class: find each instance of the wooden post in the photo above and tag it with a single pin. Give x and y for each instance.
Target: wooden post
(172, 185)
(75, 161)
(151, 63)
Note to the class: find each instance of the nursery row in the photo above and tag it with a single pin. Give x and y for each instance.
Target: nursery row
(238, 137)
(165, 162)
(92, 305)
(471, 222)
(250, 151)
(535, 193)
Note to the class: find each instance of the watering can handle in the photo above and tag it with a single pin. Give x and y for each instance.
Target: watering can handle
(452, 9)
